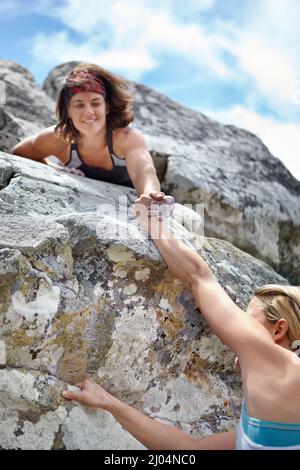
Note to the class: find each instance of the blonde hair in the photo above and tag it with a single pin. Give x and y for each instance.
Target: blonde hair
(282, 302)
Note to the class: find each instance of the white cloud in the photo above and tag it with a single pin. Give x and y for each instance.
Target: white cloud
(281, 138)
(141, 30)
(275, 76)
(278, 21)
(255, 47)
(267, 50)
(190, 6)
(59, 48)
(20, 8)
(262, 46)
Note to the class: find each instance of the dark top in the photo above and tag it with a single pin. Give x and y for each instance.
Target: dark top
(118, 174)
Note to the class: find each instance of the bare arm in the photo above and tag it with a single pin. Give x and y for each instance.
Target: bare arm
(235, 329)
(40, 146)
(151, 433)
(27, 148)
(139, 163)
(158, 436)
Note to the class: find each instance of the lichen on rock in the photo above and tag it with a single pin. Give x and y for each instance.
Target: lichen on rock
(85, 293)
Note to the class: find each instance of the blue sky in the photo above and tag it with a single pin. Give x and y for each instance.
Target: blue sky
(235, 60)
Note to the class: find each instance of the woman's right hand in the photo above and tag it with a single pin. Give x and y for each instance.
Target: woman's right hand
(90, 394)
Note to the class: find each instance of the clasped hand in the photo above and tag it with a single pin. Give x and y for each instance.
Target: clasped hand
(155, 204)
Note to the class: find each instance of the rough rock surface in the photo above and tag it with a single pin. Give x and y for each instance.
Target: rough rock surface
(84, 292)
(250, 198)
(24, 108)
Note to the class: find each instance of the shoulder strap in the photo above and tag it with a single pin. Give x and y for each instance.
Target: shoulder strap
(110, 140)
(72, 148)
(117, 161)
(74, 161)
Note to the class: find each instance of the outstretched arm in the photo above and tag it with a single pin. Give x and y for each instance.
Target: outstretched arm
(45, 148)
(141, 169)
(151, 433)
(139, 162)
(40, 146)
(27, 148)
(235, 329)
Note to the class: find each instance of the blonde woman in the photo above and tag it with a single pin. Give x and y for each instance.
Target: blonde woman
(264, 340)
(92, 137)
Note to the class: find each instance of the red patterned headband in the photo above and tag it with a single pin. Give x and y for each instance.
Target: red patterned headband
(93, 83)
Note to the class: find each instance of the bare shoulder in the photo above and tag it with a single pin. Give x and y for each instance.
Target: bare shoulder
(47, 138)
(41, 145)
(258, 352)
(128, 138)
(48, 143)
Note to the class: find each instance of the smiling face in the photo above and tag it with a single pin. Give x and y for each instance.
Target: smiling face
(88, 112)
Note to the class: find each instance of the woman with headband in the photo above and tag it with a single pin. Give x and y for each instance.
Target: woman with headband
(92, 137)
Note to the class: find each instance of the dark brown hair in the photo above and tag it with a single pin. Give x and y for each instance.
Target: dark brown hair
(117, 96)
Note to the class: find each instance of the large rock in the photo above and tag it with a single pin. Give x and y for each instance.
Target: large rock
(83, 292)
(24, 108)
(250, 198)
(56, 79)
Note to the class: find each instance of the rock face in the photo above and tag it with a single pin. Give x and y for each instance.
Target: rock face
(83, 292)
(24, 107)
(56, 78)
(250, 198)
